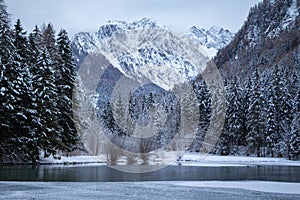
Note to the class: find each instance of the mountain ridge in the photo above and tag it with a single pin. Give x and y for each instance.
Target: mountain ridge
(145, 50)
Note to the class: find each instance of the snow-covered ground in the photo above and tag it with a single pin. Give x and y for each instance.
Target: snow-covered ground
(194, 159)
(76, 160)
(188, 159)
(149, 190)
(263, 186)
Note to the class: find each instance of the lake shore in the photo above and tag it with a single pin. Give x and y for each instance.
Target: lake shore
(188, 159)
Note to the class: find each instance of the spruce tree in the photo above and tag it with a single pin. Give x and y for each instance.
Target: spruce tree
(48, 39)
(279, 113)
(204, 104)
(28, 124)
(255, 121)
(294, 140)
(235, 115)
(225, 141)
(108, 118)
(65, 83)
(47, 97)
(10, 95)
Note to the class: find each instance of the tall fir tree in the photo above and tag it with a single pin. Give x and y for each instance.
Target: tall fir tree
(255, 119)
(294, 140)
(235, 115)
(47, 97)
(279, 113)
(48, 39)
(65, 83)
(204, 104)
(27, 105)
(10, 96)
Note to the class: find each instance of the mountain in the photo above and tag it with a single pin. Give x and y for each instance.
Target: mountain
(212, 39)
(145, 51)
(270, 36)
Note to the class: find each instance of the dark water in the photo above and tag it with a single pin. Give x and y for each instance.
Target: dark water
(170, 173)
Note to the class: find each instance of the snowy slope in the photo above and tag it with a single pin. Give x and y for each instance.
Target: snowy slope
(148, 52)
(269, 36)
(212, 39)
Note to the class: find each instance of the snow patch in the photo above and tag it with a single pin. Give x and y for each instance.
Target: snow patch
(196, 159)
(262, 186)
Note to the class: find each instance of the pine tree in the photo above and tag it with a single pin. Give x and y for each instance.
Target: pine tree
(34, 47)
(204, 102)
(10, 96)
(27, 107)
(108, 118)
(21, 42)
(279, 113)
(255, 121)
(37, 37)
(65, 84)
(47, 95)
(235, 115)
(294, 140)
(225, 141)
(246, 94)
(48, 39)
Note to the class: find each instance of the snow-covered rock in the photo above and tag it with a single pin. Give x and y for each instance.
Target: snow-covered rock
(212, 39)
(148, 52)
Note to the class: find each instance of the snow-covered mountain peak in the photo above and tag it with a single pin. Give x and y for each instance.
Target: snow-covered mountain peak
(144, 50)
(214, 38)
(142, 23)
(113, 27)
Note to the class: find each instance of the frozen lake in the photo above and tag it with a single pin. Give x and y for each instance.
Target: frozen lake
(126, 190)
(98, 173)
(172, 182)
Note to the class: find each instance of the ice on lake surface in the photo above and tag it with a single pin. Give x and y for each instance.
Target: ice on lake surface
(130, 190)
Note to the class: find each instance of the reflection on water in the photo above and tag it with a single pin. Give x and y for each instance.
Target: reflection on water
(170, 173)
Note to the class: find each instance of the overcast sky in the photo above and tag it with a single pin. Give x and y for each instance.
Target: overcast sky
(88, 15)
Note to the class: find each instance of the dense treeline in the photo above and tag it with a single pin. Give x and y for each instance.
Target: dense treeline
(262, 116)
(37, 77)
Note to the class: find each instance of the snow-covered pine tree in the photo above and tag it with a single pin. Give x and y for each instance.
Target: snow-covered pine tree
(286, 113)
(21, 42)
(35, 46)
(37, 37)
(46, 93)
(119, 114)
(65, 83)
(6, 47)
(48, 40)
(271, 122)
(235, 115)
(294, 140)
(225, 137)
(11, 85)
(131, 105)
(279, 113)
(246, 94)
(204, 103)
(108, 118)
(27, 107)
(255, 121)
